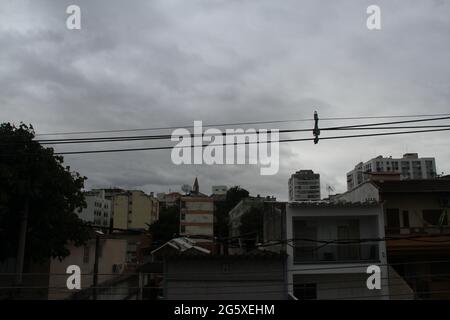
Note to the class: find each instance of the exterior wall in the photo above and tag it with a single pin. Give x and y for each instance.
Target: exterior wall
(363, 193)
(219, 190)
(274, 225)
(215, 278)
(371, 224)
(112, 252)
(134, 210)
(413, 205)
(348, 286)
(98, 209)
(236, 213)
(197, 216)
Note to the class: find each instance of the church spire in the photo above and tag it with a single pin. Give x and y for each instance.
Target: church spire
(195, 188)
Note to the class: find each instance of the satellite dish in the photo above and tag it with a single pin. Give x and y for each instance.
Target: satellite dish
(186, 188)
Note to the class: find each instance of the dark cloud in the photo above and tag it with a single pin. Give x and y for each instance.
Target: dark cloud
(157, 63)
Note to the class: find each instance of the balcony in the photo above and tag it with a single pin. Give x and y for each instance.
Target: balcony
(336, 253)
(400, 231)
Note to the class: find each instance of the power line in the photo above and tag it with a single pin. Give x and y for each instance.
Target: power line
(166, 136)
(162, 137)
(244, 123)
(248, 142)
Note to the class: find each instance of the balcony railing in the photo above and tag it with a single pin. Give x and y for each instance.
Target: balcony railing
(336, 253)
(444, 230)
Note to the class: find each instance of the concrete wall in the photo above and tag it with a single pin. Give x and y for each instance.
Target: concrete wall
(362, 193)
(113, 251)
(197, 216)
(220, 278)
(371, 224)
(144, 209)
(342, 286)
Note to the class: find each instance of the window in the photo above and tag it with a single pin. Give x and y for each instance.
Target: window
(434, 217)
(183, 228)
(392, 221)
(86, 254)
(305, 291)
(405, 219)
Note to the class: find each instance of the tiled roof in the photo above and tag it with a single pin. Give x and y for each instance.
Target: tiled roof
(324, 204)
(425, 185)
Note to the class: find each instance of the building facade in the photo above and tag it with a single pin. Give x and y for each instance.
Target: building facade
(219, 190)
(319, 266)
(197, 216)
(193, 272)
(98, 209)
(134, 209)
(410, 166)
(417, 224)
(111, 264)
(304, 185)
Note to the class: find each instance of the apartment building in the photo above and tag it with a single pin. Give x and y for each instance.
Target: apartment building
(134, 209)
(321, 270)
(304, 185)
(197, 216)
(98, 209)
(410, 166)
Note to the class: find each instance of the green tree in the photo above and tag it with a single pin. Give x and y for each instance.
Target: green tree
(167, 226)
(36, 184)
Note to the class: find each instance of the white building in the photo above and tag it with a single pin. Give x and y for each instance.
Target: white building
(410, 166)
(219, 190)
(98, 210)
(304, 185)
(320, 269)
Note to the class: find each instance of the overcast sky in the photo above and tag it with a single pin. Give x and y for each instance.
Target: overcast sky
(140, 64)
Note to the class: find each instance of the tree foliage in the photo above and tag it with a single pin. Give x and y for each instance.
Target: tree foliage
(31, 174)
(233, 197)
(168, 225)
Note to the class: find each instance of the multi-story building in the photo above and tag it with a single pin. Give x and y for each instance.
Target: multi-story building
(219, 190)
(241, 208)
(410, 166)
(167, 200)
(319, 267)
(98, 209)
(134, 209)
(417, 224)
(304, 185)
(196, 213)
(270, 231)
(197, 216)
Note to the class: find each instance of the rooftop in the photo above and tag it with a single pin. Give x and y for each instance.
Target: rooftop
(424, 185)
(326, 204)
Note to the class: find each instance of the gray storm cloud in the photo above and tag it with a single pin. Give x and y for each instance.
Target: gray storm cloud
(158, 63)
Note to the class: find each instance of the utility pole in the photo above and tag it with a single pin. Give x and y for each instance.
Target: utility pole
(97, 254)
(95, 280)
(22, 241)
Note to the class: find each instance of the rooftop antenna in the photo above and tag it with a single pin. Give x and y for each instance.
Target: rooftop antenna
(329, 189)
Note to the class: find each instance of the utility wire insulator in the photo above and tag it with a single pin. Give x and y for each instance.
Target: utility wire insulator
(316, 130)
